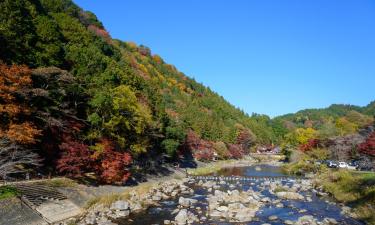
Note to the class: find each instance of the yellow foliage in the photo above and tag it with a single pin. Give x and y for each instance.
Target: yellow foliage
(303, 135)
(346, 127)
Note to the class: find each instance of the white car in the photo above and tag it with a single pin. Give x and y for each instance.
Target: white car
(343, 165)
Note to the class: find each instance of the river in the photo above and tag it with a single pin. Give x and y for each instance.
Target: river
(284, 212)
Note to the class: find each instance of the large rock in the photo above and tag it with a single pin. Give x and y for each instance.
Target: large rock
(306, 220)
(185, 217)
(120, 205)
(289, 195)
(186, 202)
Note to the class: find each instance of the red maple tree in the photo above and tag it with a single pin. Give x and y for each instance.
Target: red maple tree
(368, 147)
(113, 164)
(75, 158)
(201, 150)
(311, 144)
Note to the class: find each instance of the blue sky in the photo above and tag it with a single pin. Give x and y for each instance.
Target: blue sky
(264, 56)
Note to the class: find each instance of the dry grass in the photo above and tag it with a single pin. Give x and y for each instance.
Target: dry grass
(107, 200)
(211, 167)
(59, 182)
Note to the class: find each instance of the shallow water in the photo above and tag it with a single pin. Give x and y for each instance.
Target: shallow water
(319, 208)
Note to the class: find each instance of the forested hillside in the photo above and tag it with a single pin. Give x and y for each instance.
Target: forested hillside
(84, 102)
(336, 120)
(341, 132)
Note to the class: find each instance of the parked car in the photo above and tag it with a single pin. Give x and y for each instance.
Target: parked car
(353, 165)
(332, 164)
(343, 165)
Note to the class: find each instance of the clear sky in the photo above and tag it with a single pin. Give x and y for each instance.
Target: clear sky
(264, 56)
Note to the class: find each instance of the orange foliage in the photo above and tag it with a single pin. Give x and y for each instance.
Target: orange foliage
(23, 133)
(15, 81)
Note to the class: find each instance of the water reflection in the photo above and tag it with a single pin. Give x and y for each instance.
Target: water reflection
(252, 171)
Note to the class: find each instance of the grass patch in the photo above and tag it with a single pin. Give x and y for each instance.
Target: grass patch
(204, 170)
(59, 182)
(302, 167)
(7, 192)
(353, 188)
(210, 168)
(356, 189)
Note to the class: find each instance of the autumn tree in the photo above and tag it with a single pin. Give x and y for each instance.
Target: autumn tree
(75, 159)
(246, 138)
(15, 83)
(201, 149)
(368, 147)
(345, 126)
(236, 151)
(113, 164)
(310, 145)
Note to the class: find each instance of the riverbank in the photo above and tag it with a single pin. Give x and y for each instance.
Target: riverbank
(112, 205)
(355, 190)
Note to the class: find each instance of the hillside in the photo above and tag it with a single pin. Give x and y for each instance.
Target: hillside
(85, 102)
(336, 120)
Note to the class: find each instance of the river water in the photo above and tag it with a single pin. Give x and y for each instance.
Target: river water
(319, 207)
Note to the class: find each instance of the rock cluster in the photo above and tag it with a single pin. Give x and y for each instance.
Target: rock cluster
(233, 205)
(102, 215)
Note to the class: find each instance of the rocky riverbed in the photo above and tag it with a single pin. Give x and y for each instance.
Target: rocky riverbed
(225, 200)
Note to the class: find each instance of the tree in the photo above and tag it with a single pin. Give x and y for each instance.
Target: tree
(235, 151)
(17, 32)
(222, 150)
(14, 158)
(170, 146)
(15, 83)
(303, 135)
(368, 147)
(123, 117)
(75, 158)
(345, 127)
(202, 150)
(113, 164)
(310, 145)
(246, 139)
